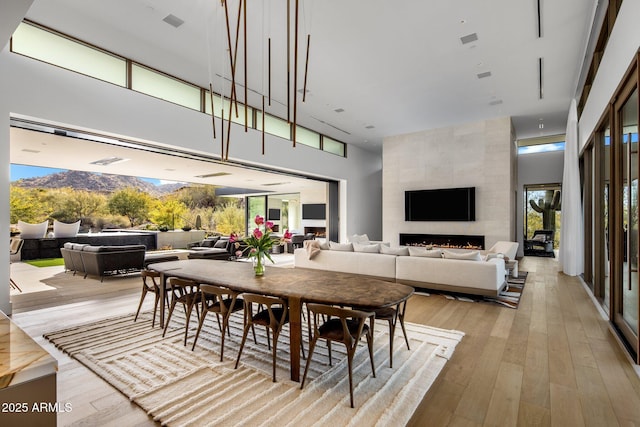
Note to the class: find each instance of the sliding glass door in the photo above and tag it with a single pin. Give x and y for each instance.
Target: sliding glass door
(626, 295)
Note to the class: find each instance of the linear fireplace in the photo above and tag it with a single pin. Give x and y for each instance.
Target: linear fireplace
(317, 231)
(456, 241)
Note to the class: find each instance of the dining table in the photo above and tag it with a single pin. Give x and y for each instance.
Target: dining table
(296, 285)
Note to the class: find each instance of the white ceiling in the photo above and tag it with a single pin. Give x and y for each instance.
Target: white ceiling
(398, 66)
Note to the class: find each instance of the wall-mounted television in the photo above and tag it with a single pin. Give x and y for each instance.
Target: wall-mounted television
(314, 211)
(444, 204)
(273, 215)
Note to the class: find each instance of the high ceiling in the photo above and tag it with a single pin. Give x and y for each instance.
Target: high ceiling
(376, 68)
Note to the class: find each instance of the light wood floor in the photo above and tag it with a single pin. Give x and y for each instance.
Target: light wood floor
(553, 361)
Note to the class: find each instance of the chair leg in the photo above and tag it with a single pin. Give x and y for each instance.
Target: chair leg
(404, 331)
(142, 297)
(329, 347)
(166, 325)
(350, 363)
(155, 309)
(392, 331)
(244, 338)
(188, 309)
(275, 345)
(370, 345)
(312, 347)
(200, 323)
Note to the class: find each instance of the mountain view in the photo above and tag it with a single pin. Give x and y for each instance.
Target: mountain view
(102, 183)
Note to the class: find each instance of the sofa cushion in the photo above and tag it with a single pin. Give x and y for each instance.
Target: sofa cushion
(401, 251)
(423, 252)
(221, 244)
(209, 242)
(345, 247)
(359, 238)
(372, 248)
(469, 256)
(108, 248)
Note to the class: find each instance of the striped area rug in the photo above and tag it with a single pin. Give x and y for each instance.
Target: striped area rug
(180, 387)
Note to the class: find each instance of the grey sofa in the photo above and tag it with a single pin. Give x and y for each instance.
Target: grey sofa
(101, 261)
(220, 248)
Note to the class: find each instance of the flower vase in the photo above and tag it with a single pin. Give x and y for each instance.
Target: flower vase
(258, 264)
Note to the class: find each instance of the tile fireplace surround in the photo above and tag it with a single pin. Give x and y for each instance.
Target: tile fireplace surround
(456, 241)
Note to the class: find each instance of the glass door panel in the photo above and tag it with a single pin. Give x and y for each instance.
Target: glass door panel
(606, 255)
(626, 289)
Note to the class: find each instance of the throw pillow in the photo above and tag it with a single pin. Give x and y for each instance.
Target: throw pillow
(312, 247)
(469, 256)
(221, 244)
(394, 251)
(372, 248)
(356, 238)
(422, 252)
(345, 247)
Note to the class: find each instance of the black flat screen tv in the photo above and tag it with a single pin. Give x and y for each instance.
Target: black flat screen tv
(445, 204)
(314, 211)
(274, 215)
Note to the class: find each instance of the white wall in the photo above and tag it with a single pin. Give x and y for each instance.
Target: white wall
(46, 93)
(620, 51)
(479, 154)
(535, 168)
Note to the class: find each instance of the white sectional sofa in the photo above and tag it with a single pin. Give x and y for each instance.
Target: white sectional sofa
(481, 277)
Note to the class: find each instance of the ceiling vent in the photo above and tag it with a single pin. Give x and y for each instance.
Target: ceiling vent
(469, 38)
(213, 175)
(109, 161)
(339, 110)
(485, 74)
(173, 20)
(28, 150)
(369, 127)
(496, 102)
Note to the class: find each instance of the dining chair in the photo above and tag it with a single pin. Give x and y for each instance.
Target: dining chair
(151, 285)
(273, 317)
(343, 325)
(185, 292)
(221, 301)
(392, 315)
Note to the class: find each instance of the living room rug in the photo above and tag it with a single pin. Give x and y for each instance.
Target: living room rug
(509, 296)
(179, 387)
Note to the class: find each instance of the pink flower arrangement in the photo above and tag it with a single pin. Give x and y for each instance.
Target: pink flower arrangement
(259, 242)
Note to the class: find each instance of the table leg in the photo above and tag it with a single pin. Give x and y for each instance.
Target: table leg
(295, 332)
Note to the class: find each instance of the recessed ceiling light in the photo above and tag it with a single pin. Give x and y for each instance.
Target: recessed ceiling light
(173, 20)
(170, 170)
(109, 161)
(28, 150)
(496, 102)
(369, 127)
(485, 74)
(469, 38)
(275, 183)
(339, 110)
(212, 175)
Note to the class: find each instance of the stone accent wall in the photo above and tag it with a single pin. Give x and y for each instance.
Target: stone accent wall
(480, 154)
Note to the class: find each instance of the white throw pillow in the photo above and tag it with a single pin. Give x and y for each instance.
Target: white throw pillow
(403, 251)
(469, 256)
(422, 252)
(345, 247)
(373, 248)
(357, 238)
(32, 231)
(61, 229)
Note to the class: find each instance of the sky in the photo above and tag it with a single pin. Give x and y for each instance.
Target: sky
(22, 171)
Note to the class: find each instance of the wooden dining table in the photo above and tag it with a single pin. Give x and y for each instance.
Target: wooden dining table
(297, 285)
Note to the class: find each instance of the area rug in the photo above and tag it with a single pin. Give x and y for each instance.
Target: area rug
(509, 296)
(178, 387)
